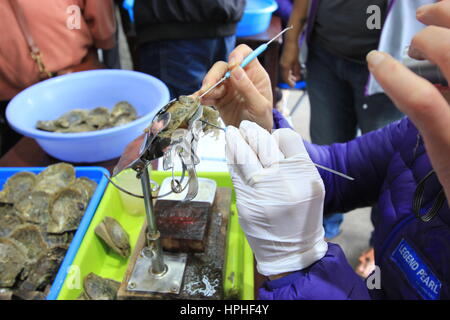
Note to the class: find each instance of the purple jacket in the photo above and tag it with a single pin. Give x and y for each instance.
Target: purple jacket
(413, 256)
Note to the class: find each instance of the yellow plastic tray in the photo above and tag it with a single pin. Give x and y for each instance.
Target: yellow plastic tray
(93, 256)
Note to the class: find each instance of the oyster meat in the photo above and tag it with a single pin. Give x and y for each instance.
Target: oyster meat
(13, 256)
(66, 211)
(112, 233)
(98, 288)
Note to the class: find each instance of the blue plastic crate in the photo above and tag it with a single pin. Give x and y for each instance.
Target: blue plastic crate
(94, 173)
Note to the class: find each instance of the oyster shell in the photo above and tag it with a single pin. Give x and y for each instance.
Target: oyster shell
(122, 113)
(9, 220)
(55, 178)
(98, 288)
(13, 257)
(82, 127)
(47, 126)
(29, 295)
(112, 233)
(35, 207)
(86, 187)
(80, 120)
(31, 238)
(182, 111)
(98, 118)
(18, 185)
(67, 209)
(58, 240)
(43, 271)
(72, 118)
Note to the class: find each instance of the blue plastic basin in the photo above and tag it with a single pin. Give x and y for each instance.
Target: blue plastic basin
(50, 99)
(96, 174)
(257, 16)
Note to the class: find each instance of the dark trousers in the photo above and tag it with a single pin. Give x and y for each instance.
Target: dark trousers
(336, 89)
(8, 137)
(182, 64)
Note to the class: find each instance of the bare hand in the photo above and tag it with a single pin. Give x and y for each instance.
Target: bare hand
(290, 64)
(417, 97)
(247, 95)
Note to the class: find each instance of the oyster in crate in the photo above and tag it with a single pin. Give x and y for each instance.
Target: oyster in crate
(30, 236)
(112, 233)
(55, 178)
(13, 256)
(98, 288)
(9, 220)
(86, 187)
(18, 186)
(66, 211)
(42, 272)
(35, 207)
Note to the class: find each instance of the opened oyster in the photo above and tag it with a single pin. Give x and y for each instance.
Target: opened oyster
(80, 120)
(112, 233)
(98, 288)
(182, 111)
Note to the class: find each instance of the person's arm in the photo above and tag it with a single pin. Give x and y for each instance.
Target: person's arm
(290, 64)
(101, 20)
(365, 159)
(330, 278)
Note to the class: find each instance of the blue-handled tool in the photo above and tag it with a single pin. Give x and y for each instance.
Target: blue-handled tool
(247, 60)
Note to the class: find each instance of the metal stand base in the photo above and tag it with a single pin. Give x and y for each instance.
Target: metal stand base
(143, 280)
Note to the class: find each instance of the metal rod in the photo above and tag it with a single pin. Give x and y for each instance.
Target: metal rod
(213, 125)
(213, 87)
(247, 60)
(158, 266)
(334, 171)
(278, 35)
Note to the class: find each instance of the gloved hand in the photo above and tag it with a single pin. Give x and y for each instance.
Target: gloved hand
(280, 197)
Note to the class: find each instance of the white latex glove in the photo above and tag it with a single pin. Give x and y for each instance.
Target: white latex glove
(280, 197)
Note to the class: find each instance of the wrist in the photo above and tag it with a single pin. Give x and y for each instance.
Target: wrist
(279, 276)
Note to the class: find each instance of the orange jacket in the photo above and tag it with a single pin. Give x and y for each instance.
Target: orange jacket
(54, 28)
